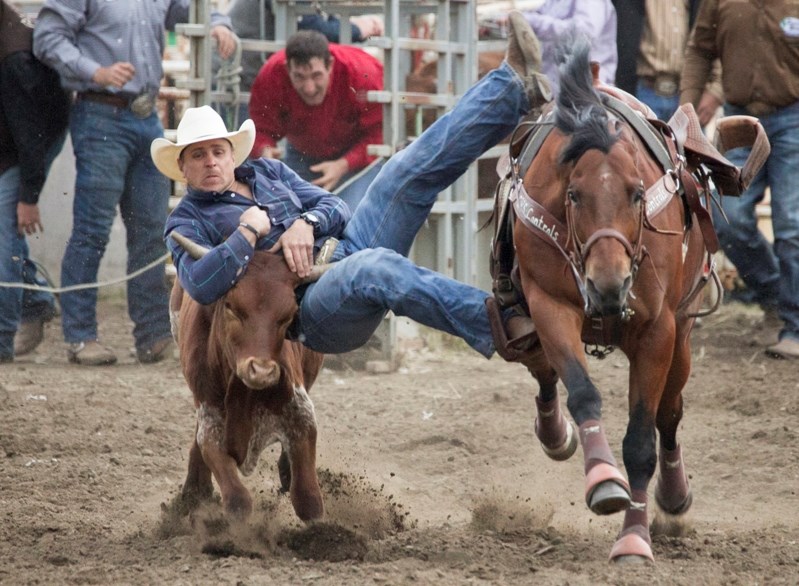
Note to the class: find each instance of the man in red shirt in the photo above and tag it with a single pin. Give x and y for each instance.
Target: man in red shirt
(314, 93)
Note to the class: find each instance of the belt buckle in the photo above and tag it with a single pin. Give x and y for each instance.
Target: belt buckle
(666, 86)
(142, 105)
(759, 109)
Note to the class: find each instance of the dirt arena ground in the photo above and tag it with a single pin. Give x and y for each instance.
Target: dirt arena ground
(432, 475)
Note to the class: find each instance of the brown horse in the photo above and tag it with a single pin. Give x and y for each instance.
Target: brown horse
(609, 255)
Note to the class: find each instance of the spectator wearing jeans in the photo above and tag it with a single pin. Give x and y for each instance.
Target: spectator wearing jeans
(759, 51)
(651, 39)
(33, 123)
(110, 54)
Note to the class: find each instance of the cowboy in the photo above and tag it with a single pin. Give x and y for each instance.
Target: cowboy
(234, 207)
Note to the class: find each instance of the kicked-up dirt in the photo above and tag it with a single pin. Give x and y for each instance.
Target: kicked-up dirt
(431, 475)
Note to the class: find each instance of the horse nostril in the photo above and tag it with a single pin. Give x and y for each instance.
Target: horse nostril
(627, 285)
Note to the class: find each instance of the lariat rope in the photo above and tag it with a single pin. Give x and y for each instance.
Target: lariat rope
(134, 274)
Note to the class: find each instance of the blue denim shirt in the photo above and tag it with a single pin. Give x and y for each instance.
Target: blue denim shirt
(211, 219)
(77, 37)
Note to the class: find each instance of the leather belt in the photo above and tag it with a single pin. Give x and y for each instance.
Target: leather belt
(142, 105)
(105, 98)
(664, 84)
(758, 109)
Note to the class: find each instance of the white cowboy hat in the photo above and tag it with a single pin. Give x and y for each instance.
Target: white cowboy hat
(198, 125)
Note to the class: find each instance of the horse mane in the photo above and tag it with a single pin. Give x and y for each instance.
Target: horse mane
(579, 107)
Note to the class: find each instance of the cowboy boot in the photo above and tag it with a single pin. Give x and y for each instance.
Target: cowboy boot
(524, 56)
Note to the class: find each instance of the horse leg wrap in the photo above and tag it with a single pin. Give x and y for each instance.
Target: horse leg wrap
(606, 489)
(672, 491)
(634, 543)
(595, 445)
(631, 546)
(555, 433)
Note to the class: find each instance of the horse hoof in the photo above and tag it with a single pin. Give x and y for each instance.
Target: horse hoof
(630, 560)
(565, 451)
(607, 491)
(607, 498)
(631, 549)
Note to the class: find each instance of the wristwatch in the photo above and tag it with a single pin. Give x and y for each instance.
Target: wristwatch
(311, 219)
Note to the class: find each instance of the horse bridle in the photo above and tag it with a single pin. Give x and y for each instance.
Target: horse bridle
(580, 250)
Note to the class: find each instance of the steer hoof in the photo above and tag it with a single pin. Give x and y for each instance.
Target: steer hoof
(309, 507)
(239, 506)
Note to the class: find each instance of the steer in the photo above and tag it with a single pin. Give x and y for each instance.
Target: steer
(250, 386)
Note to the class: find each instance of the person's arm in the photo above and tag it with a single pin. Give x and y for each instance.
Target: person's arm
(713, 96)
(700, 53)
(221, 26)
(36, 111)
(55, 41)
(331, 211)
(297, 241)
(208, 278)
(367, 77)
(589, 17)
(266, 97)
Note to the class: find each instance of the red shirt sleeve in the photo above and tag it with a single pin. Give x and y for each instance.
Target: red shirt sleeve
(366, 74)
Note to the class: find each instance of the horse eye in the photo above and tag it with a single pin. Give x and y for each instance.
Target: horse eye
(572, 196)
(638, 196)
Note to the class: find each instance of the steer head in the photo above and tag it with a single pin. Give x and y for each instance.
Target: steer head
(249, 324)
(252, 319)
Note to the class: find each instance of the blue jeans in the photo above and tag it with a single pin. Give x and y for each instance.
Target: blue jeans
(15, 267)
(341, 311)
(114, 168)
(664, 107)
(771, 272)
(352, 194)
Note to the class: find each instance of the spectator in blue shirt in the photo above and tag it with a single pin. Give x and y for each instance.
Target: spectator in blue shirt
(110, 54)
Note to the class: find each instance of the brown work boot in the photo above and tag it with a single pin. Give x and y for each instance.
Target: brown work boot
(524, 57)
(513, 331)
(163, 348)
(90, 353)
(29, 335)
(786, 349)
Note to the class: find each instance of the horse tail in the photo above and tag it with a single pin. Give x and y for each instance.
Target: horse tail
(579, 107)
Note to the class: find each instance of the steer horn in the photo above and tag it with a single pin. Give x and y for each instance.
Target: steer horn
(195, 250)
(198, 251)
(316, 272)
